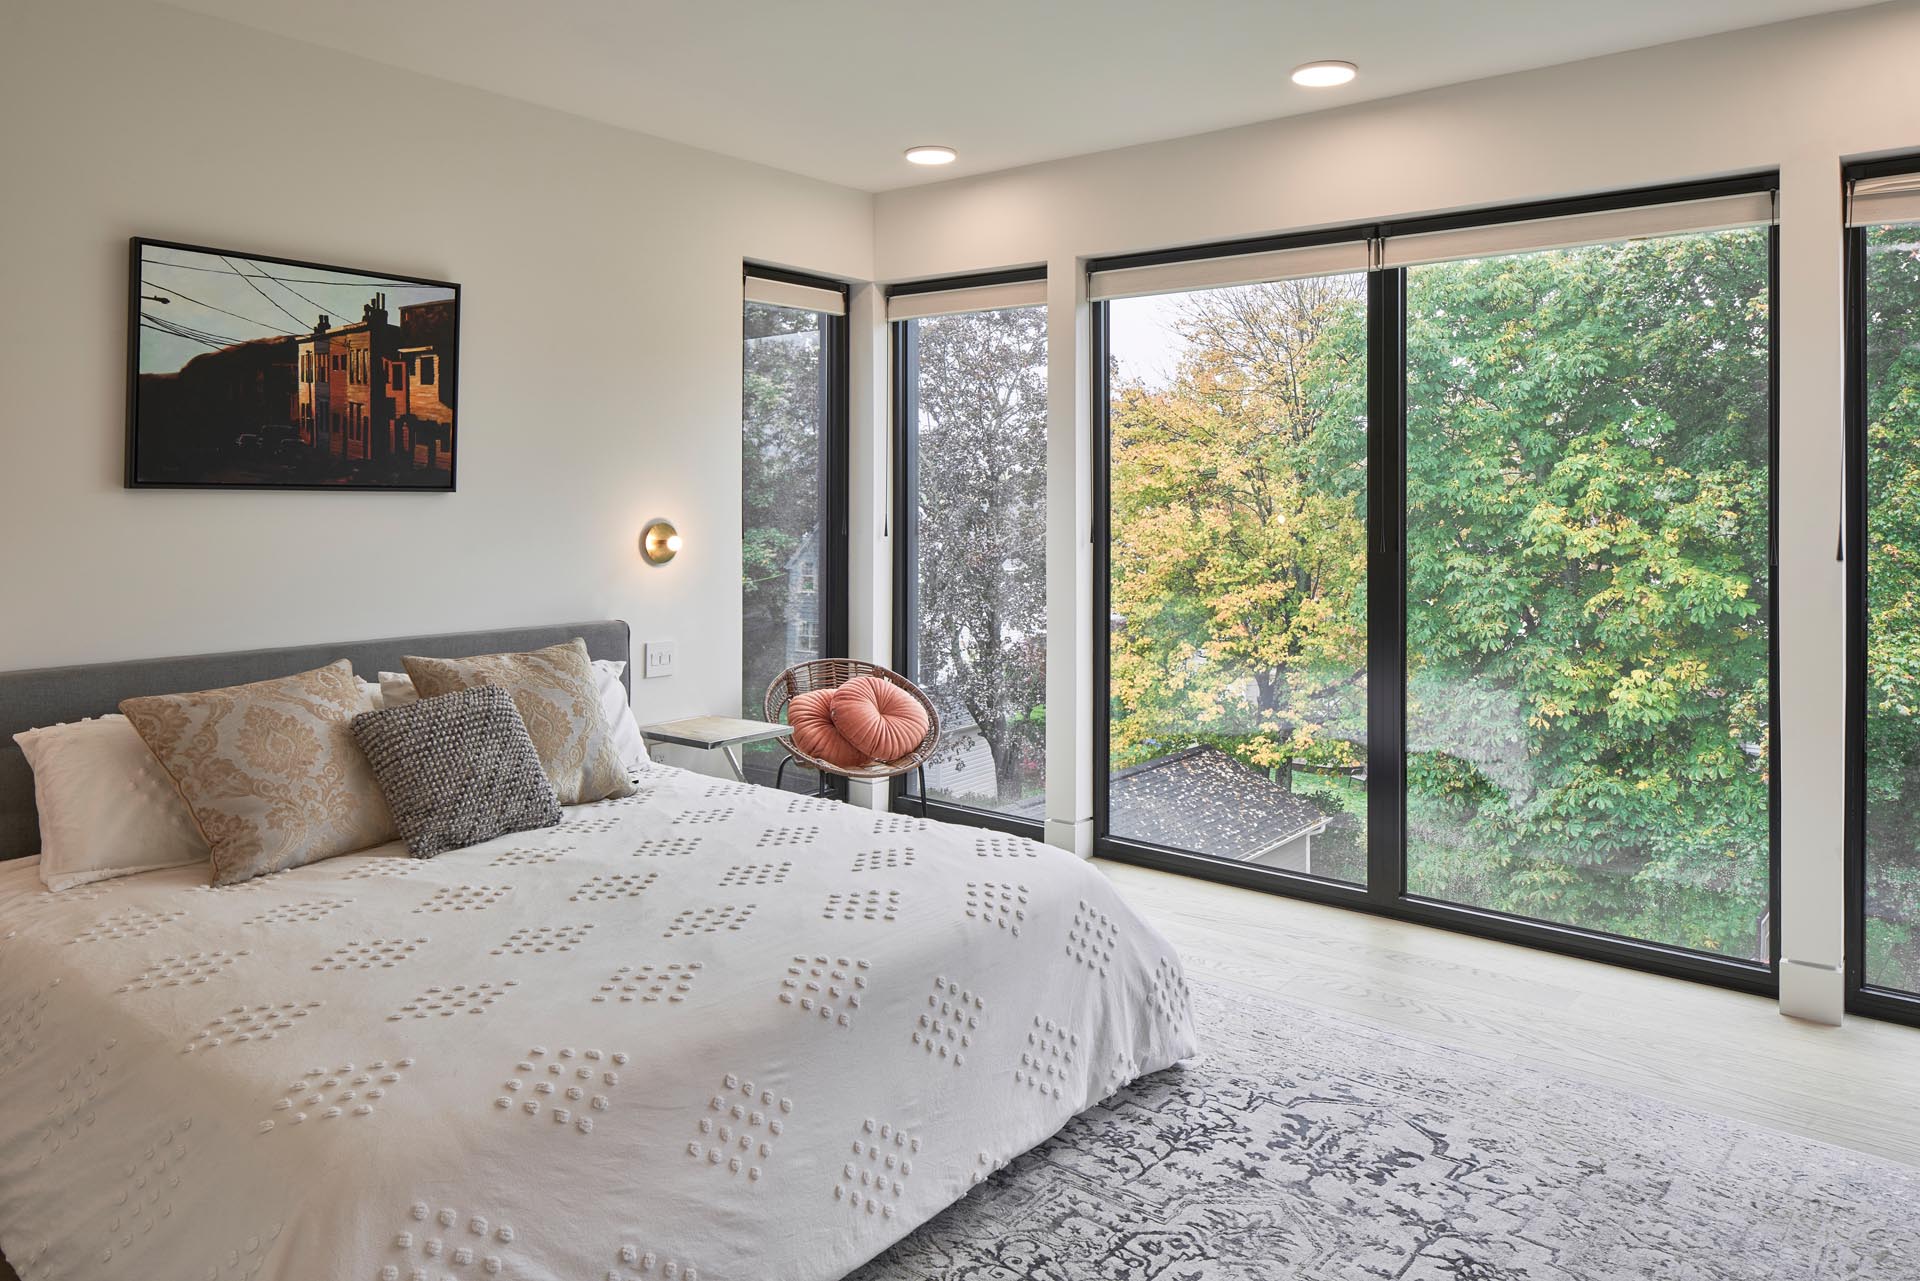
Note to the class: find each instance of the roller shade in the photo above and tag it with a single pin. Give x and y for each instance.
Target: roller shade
(784, 293)
(950, 302)
(1719, 213)
(1219, 273)
(1893, 198)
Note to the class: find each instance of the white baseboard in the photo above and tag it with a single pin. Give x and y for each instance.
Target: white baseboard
(1811, 990)
(1071, 834)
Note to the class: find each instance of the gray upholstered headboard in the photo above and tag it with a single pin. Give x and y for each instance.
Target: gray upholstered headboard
(50, 695)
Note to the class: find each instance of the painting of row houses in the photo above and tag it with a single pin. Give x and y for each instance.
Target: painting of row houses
(340, 402)
(375, 391)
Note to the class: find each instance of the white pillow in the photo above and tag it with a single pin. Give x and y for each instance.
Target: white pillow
(396, 689)
(106, 806)
(618, 710)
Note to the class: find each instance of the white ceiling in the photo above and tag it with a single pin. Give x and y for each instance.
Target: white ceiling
(838, 88)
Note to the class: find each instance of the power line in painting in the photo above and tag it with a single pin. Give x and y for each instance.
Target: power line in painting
(186, 297)
(284, 285)
(260, 273)
(258, 290)
(188, 332)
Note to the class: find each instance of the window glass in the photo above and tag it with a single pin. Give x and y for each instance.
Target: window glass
(1588, 526)
(1892, 392)
(977, 610)
(1237, 576)
(783, 502)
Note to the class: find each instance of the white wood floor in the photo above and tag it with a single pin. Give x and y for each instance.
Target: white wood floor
(1857, 1086)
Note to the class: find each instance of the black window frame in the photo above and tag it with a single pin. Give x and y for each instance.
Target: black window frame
(903, 796)
(1385, 893)
(835, 594)
(1861, 996)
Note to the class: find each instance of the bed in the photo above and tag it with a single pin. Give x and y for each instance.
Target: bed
(708, 1032)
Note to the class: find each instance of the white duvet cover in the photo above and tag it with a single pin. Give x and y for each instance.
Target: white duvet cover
(709, 1033)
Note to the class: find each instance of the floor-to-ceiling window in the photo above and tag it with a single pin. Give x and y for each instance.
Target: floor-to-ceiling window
(1236, 582)
(793, 429)
(1884, 315)
(970, 440)
(1436, 571)
(1588, 538)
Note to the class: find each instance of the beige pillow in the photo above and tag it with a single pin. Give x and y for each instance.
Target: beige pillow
(553, 689)
(270, 770)
(396, 690)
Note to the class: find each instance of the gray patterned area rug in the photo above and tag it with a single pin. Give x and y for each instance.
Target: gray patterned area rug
(1302, 1145)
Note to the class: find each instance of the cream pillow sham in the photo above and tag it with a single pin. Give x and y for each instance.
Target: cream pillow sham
(554, 691)
(270, 770)
(396, 690)
(106, 807)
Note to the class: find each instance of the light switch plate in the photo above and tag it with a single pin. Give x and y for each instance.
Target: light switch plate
(657, 660)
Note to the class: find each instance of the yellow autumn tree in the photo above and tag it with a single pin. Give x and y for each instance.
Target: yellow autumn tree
(1239, 532)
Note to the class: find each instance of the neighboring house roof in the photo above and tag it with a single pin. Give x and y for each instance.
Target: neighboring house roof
(1203, 799)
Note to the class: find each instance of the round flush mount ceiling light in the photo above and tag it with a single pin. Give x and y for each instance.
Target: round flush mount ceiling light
(1324, 74)
(931, 155)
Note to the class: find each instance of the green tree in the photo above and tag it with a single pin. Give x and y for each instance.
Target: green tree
(981, 494)
(1239, 532)
(1893, 606)
(780, 472)
(1587, 570)
(1587, 547)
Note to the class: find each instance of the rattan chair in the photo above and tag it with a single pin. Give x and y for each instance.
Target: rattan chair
(832, 673)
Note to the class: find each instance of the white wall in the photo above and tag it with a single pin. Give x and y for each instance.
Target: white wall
(1792, 94)
(600, 361)
(1797, 96)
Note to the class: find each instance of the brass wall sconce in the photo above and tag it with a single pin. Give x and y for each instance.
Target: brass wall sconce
(659, 542)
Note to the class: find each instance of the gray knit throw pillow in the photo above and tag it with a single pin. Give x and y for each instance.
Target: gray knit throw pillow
(457, 770)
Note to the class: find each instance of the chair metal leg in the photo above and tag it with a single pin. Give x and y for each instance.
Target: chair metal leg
(921, 769)
(780, 774)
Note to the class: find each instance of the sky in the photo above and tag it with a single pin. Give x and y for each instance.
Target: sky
(1141, 337)
(229, 298)
(1144, 339)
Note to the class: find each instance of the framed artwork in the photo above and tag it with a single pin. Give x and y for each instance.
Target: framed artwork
(251, 372)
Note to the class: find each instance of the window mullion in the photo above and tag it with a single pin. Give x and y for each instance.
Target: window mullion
(1386, 585)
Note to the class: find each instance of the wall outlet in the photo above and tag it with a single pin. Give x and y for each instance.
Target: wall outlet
(657, 660)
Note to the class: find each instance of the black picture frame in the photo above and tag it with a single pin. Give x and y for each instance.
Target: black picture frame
(220, 426)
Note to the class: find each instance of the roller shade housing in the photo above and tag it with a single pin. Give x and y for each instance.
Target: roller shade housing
(1220, 273)
(1719, 213)
(785, 293)
(1390, 245)
(1893, 198)
(951, 302)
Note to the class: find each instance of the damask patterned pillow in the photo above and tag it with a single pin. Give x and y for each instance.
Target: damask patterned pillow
(269, 770)
(554, 692)
(457, 770)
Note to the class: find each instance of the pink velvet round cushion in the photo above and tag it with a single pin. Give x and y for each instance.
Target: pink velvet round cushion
(878, 717)
(811, 716)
